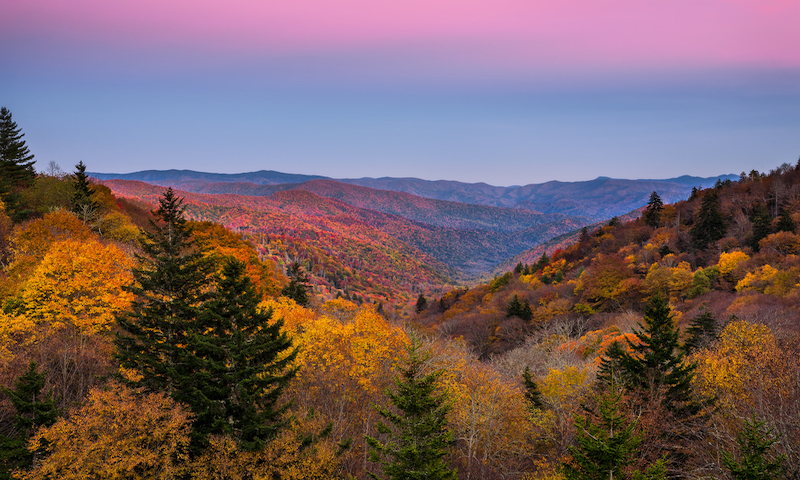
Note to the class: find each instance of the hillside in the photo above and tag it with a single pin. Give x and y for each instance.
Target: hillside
(598, 199)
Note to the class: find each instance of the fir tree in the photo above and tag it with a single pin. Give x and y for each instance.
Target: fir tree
(419, 439)
(518, 268)
(610, 369)
(33, 410)
(606, 443)
(785, 222)
(762, 226)
(658, 361)
(514, 308)
(754, 445)
(297, 289)
(702, 331)
(652, 213)
(82, 204)
(169, 288)
(422, 304)
(532, 393)
(16, 166)
(709, 226)
(242, 364)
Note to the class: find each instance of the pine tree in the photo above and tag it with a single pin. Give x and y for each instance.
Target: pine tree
(785, 222)
(297, 289)
(701, 332)
(242, 364)
(658, 361)
(33, 410)
(652, 213)
(709, 225)
(610, 369)
(514, 308)
(532, 393)
(606, 443)
(170, 287)
(422, 304)
(419, 439)
(754, 445)
(82, 204)
(16, 166)
(762, 226)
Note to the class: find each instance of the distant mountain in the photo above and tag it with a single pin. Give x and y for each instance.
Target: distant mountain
(598, 199)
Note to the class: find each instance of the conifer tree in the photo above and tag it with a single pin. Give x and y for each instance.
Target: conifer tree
(754, 445)
(785, 222)
(33, 410)
(242, 364)
(82, 204)
(701, 332)
(16, 166)
(610, 369)
(762, 226)
(532, 393)
(652, 213)
(709, 225)
(297, 289)
(169, 288)
(422, 304)
(419, 439)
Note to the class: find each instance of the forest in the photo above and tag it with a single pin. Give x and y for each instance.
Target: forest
(138, 342)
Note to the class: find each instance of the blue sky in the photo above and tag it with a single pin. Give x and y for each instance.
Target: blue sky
(476, 94)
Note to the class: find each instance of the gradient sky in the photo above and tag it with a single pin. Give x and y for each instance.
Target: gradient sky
(502, 91)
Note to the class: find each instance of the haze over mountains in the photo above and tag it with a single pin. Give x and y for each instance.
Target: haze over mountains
(388, 241)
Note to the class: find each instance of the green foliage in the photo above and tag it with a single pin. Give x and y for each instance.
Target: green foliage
(170, 286)
(702, 331)
(785, 222)
(419, 439)
(82, 204)
(754, 445)
(16, 166)
(652, 213)
(532, 393)
(709, 225)
(33, 410)
(298, 288)
(499, 282)
(702, 281)
(762, 226)
(519, 309)
(241, 362)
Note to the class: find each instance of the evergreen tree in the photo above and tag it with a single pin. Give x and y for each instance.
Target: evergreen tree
(709, 225)
(297, 289)
(422, 303)
(514, 308)
(762, 226)
(16, 166)
(754, 445)
(702, 331)
(33, 410)
(242, 364)
(419, 439)
(652, 213)
(785, 222)
(658, 361)
(532, 393)
(518, 268)
(170, 287)
(82, 204)
(606, 443)
(610, 369)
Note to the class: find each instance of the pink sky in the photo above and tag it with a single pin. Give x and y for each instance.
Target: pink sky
(553, 33)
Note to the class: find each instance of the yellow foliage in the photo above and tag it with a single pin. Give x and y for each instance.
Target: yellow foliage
(294, 316)
(675, 281)
(79, 283)
(758, 280)
(728, 261)
(118, 433)
(558, 385)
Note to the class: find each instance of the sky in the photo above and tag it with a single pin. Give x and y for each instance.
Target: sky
(506, 92)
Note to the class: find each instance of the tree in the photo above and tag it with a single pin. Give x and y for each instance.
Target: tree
(422, 304)
(606, 443)
(709, 225)
(652, 213)
(657, 360)
(33, 410)
(532, 393)
(702, 331)
(169, 288)
(297, 289)
(754, 444)
(418, 443)
(785, 222)
(242, 364)
(16, 165)
(762, 226)
(82, 204)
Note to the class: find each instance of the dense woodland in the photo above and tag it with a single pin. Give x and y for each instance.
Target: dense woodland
(137, 343)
